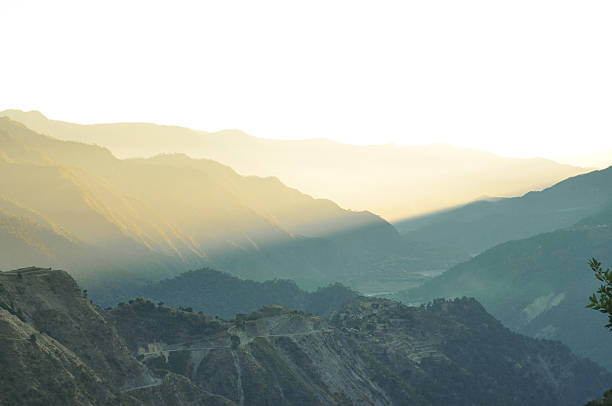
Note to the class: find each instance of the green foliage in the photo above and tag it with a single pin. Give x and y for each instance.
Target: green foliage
(178, 361)
(605, 401)
(602, 299)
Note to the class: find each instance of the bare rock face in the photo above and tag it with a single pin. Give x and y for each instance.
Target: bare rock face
(177, 390)
(371, 352)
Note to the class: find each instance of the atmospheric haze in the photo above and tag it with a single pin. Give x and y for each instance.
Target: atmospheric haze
(520, 78)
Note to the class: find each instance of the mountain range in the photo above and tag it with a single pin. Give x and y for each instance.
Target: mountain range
(57, 347)
(483, 224)
(537, 281)
(76, 206)
(393, 181)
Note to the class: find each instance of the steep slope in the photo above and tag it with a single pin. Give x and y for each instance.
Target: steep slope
(52, 303)
(25, 240)
(57, 348)
(484, 224)
(371, 352)
(538, 286)
(384, 179)
(38, 370)
(157, 217)
(448, 348)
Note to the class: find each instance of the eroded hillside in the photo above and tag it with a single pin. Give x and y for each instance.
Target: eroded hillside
(56, 345)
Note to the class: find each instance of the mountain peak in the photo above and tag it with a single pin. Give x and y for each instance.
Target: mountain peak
(15, 114)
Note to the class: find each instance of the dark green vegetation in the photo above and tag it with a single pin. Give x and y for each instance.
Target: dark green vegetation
(217, 293)
(602, 302)
(369, 352)
(605, 401)
(602, 299)
(538, 285)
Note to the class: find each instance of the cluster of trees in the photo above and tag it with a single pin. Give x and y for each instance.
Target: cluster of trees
(219, 294)
(602, 302)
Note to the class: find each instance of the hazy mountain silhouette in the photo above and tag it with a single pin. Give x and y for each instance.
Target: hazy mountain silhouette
(156, 217)
(600, 159)
(389, 180)
(480, 225)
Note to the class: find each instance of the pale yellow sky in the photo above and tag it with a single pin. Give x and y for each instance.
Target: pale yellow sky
(518, 78)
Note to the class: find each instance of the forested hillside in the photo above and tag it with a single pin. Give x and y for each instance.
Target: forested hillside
(539, 285)
(220, 294)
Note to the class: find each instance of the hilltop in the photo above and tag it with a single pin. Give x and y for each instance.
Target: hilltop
(220, 294)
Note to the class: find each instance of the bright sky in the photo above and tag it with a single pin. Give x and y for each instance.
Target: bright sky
(519, 78)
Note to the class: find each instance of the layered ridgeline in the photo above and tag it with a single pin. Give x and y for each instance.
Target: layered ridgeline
(540, 285)
(58, 348)
(77, 206)
(393, 181)
(481, 225)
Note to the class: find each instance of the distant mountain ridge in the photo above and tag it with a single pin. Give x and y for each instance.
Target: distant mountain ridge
(152, 218)
(478, 226)
(392, 181)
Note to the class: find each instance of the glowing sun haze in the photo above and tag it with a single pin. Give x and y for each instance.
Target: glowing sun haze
(518, 78)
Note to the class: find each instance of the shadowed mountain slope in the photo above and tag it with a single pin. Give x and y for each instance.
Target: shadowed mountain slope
(160, 216)
(538, 286)
(481, 225)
